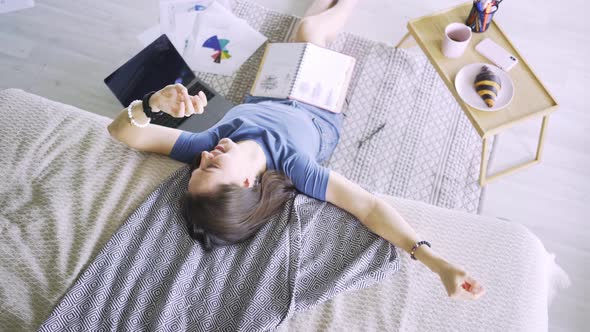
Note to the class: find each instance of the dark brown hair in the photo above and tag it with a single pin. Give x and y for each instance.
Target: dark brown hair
(231, 213)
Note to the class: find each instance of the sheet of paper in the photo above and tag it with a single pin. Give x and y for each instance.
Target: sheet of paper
(279, 70)
(177, 19)
(7, 6)
(322, 76)
(221, 42)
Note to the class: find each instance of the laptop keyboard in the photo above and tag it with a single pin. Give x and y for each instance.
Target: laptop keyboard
(167, 120)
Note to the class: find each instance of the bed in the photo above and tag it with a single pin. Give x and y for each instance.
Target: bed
(67, 186)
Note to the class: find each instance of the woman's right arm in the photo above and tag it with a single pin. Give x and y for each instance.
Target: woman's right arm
(155, 138)
(383, 220)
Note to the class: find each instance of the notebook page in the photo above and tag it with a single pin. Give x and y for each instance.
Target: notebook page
(279, 70)
(321, 77)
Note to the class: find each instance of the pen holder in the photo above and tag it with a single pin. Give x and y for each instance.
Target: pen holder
(480, 18)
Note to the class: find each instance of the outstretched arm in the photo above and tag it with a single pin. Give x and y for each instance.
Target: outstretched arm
(383, 220)
(172, 99)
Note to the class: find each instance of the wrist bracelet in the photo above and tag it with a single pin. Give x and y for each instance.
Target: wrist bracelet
(130, 114)
(415, 247)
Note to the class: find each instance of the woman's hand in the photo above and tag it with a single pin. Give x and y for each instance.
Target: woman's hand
(459, 284)
(175, 100)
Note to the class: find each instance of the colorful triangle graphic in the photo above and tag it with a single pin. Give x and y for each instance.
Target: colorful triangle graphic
(218, 45)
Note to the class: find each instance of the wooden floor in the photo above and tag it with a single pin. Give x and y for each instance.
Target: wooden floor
(63, 49)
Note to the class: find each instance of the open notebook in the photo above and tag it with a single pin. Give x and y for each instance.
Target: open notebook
(304, 72)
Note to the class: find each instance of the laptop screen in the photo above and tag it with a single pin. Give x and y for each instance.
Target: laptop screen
(156, 66)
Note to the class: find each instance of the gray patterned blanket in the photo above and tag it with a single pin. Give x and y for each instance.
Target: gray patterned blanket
(152, 276)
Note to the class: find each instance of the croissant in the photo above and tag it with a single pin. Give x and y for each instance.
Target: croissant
(488, 85)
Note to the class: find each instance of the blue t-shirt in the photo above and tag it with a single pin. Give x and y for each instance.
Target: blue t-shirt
(288, 135)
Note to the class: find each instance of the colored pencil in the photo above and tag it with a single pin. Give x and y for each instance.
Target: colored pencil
(486, 16)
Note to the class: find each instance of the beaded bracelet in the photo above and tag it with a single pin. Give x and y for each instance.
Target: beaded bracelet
(415, 247)
(133, 122)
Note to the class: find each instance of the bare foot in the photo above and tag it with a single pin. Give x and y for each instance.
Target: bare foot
(325, 26)
(318, 6)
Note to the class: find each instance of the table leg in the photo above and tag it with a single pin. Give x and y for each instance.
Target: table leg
(406, 42)
(542, 138)
(483, 168)
(484, 179)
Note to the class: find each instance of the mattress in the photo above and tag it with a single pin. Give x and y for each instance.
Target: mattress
(66, 186)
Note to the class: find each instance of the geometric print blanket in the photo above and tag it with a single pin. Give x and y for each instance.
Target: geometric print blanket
(152, 276)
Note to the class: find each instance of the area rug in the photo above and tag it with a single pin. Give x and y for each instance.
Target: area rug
(403, 134)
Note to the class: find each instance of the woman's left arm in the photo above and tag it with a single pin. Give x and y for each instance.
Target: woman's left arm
(383, 220)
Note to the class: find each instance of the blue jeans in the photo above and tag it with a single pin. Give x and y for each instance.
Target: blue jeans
(328, 124)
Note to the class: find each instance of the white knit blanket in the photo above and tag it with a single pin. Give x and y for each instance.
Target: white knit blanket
(66, 185)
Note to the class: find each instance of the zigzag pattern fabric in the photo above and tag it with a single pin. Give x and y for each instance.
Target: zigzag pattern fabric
(152, 276)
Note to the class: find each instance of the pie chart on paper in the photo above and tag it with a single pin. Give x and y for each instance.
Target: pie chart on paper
(218, 46)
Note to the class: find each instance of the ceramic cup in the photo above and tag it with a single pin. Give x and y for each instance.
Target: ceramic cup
(457, 37)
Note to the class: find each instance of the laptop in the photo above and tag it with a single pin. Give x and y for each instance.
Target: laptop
(158, 65)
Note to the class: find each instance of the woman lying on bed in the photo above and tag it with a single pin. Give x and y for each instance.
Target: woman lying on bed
(251, 162)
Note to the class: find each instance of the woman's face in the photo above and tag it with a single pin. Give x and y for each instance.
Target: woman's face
(222, 165)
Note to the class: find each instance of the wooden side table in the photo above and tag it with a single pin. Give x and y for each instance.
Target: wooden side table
(531, 99)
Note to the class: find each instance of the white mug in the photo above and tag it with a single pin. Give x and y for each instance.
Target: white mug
(457, 37)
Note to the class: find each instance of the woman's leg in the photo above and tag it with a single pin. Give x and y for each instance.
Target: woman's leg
(318, 6)
(323, 21)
